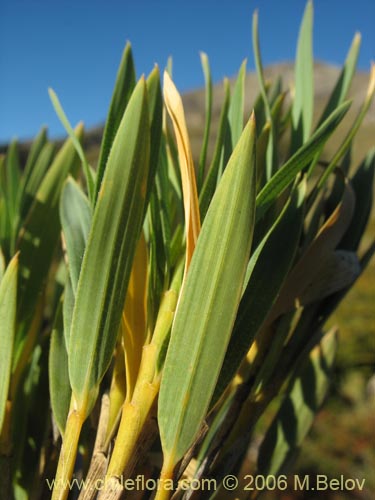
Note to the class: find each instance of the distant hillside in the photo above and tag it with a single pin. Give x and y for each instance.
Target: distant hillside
(325, 78)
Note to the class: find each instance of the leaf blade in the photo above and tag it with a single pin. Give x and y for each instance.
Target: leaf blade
(114, 231)
(303, 104)
(8, 300)
(286, 174)
(194, 343)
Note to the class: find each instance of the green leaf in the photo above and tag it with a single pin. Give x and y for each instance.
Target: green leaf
(344, 81)
(211, 180)
(305, 396)
(268, 267)
(263, 92)
(31, 420)
(75, 215)
(11, 190)
(107, 262)
(262, 147)
(303, 104)
(124, 85)
(76, 142)
(236, 108)
(317, 253)
(208, 303)
(8, 298)
(41, 231)
(362, 183)
(155, 106)
(59, 386)
(159, 254)
(12, 171)
(208, 111)
(35, 150)
(287, 173)
(35, 178)
(5, 229)
(68, 307)
(2, 265)
(346, 144)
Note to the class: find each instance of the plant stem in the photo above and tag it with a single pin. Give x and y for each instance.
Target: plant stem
(6, 455)
(68, 455)
(133, 418)
(166, 480)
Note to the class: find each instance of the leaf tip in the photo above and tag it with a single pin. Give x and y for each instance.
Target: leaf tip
(357, 38)
(371, 85)
(252, 121)
(52, 93)
(13, 264)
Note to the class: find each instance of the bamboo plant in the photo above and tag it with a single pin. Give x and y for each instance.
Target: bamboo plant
(153, 311)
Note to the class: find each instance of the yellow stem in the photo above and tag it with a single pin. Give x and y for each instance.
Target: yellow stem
(165, 486)
(134, 416)
(68, 455)
(136, 411)
(117, 392)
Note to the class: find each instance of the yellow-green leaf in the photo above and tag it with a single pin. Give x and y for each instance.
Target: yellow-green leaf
(108, 258)
(208, 303)
(8, 299)
(175, 109)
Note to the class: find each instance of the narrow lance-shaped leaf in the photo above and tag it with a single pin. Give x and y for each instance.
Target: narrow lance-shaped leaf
(68, 307)
(175, 109)
(267, 270)
(35, 150)
(2, 265)
(76, 142)
(210, 182)
(344, 81)
(109, 253)
(312, 260)
(33, 157)
(135, 316)
(59, 386)
(262, 146)
(155, 106)
(353, 130)
(303, 104)
(208, 304)
(75, 215)
(287, 173)
(305, 396)
(263, 91)
(8, 298)
(236, 108)
(362, 179)
(124, 86)
(208, 110)
(35, 178)
(12, 165)
(41, 231)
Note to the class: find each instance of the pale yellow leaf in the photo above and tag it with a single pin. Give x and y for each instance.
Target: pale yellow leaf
(134, 321)
(175, 110)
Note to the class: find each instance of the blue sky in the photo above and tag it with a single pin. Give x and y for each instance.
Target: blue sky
(75, 47)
